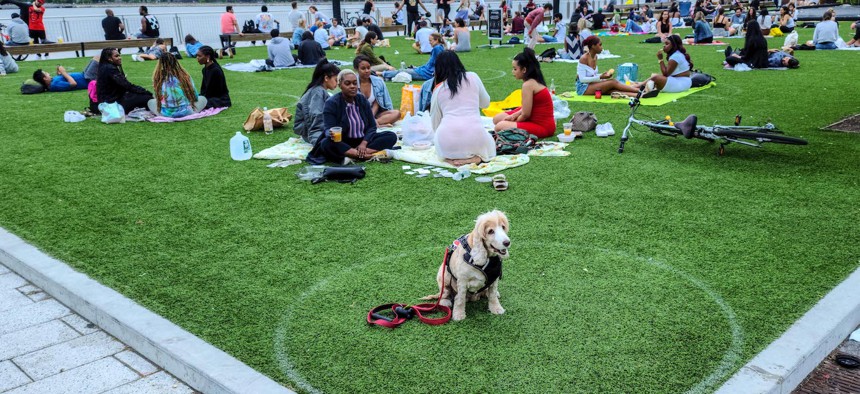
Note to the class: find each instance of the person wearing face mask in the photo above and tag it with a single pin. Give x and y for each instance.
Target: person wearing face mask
(308, 122)
(353, 114)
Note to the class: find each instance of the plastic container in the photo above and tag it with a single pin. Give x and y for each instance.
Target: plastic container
(240, 147)
(267, 121)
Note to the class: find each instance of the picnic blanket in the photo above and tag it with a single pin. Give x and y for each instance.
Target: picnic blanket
(621, 33)
(255, 65)
(716, 42)
(662, 98)
(600, 56)
(202, 114)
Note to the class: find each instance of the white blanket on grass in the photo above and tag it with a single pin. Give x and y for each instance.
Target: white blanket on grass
(600, 56)
(255, 65)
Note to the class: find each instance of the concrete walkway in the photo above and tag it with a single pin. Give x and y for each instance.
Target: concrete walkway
(46, 348)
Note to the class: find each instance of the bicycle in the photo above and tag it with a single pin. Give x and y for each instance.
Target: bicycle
(689, 128)
(5, 38)
(352, 18)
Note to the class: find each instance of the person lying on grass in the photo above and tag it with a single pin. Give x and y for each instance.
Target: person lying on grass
(535, 115)
(754, 52)
(425, 71)
(175, 93)
(154, 52)
(113, 87)
(64, 81)
(308, 122)
(214, 86)
(674, 74)
(460, 137)
(358, 138)
(589, 80)
(374, 90)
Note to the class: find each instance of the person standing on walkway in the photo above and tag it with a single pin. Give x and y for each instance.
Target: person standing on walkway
(411, 14)
(148, 24)
(295, 16)
(533, 19)
(319, 17)
(113, 27)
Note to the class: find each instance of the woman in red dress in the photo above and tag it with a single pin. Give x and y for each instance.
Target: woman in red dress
(535, 115)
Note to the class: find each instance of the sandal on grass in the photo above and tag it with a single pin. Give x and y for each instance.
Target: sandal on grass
(500, 182)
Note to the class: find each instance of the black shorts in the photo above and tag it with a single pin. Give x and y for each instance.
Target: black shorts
(857, 32)
(37, 34)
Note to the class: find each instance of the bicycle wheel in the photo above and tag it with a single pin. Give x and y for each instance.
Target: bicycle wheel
(762, 137)
(351, 21)
(20, 58)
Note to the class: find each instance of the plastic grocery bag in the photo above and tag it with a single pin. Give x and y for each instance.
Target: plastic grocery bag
(417, 128)
(560, 108)
(112, 113)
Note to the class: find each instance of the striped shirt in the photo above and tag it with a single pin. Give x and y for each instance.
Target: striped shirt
(356, 124)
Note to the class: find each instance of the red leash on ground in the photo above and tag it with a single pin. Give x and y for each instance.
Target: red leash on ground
(403, 312)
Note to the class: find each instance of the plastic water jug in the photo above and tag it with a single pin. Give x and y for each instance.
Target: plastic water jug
(240, 147)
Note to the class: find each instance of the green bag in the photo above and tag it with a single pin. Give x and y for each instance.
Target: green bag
(514, 141)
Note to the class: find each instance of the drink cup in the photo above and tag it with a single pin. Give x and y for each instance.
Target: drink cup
(598, 94)
(567, 128)
(336, 134)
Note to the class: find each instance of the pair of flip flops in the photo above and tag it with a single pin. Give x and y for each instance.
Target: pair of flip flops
(500, 182)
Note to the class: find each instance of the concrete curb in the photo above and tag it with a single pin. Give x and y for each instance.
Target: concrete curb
(783, 365)
(192, 360)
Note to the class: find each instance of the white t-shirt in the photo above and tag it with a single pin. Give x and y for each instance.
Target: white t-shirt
(321, 36)
(362, 31)
(294, 17)
(683, 64)
(560, 32)
(265, 22)
(423, 38)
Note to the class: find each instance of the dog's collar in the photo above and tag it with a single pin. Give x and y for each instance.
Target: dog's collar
(491, 271)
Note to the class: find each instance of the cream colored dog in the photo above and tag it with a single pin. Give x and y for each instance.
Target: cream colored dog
(467, 276)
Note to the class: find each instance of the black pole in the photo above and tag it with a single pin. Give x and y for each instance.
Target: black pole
(335, 10)
(556, 7)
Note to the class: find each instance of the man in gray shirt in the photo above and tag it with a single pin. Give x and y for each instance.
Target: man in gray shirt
(19, 33)
(279, 51)
(295, 16)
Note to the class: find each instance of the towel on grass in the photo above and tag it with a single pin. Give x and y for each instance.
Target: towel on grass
(202, 114)
(662, 98)
(255, 65)
(622, 33)
(600, 56)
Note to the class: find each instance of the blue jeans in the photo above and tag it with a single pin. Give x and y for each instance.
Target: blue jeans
(825, 45)
(548, 38)
(390, 74)
(633, 27)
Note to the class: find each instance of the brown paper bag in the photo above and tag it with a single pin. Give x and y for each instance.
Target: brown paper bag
(280, 117)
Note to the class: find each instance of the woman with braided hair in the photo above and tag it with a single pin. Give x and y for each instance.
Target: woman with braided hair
(175, 93)
(674, 74)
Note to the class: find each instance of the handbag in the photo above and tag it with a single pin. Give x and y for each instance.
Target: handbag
(583, 121)
(280, 117)
(112, 113)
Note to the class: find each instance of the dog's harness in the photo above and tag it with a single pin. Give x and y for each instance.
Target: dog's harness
(491, 271)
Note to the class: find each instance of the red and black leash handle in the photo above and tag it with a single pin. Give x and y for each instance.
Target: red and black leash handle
(404, 312)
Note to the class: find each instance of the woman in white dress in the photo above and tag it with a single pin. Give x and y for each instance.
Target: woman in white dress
(455, 113)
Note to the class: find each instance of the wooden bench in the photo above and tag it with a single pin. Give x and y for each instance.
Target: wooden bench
(289, 35)
(80, 48)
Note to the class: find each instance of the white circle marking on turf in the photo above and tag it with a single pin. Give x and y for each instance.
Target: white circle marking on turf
(730, 358)
(501, 74)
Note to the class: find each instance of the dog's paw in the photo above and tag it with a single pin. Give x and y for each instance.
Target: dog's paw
(457, 315)
(497, 310)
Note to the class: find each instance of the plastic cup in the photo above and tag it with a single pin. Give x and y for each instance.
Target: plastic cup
(567, 128)
(598, 94)
(336, 134)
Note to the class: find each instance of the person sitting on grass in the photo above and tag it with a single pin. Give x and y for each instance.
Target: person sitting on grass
(358, 35)
(422, 38)
(175, 93)
(112, 85)
(721, 22)
(462, 37)
(786, 21)
(664, 25)
(298, 32)
(572, 43)
(702, 33)
(214, 86)
(64, 81)
(321, 36)
(366, 49)
(374, 90)
(584, 31)
(738, 21)
(279, 51)
(455, 106)
(337, 34)
(308, 122)
(558, 36)
(855, 41)
(310, 52)
(589, 80)
(6, 60)
(518, 24)
(535, 115)
(154, 52)
(826, 32)
(192, 45)
(674, 75)
(446, 30)
(425, 71)
(352, 113)
(754, 52)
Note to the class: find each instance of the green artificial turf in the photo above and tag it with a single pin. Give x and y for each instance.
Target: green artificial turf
(663, 269)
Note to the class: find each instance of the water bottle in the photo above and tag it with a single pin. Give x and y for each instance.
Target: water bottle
(267, 121)
(552, 86)
(240, 147)
(402, 66)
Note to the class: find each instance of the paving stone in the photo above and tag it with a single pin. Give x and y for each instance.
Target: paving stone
(10, 299)
(3, 269)
(94, 377)
(11, 376)
(11, 280)
(34, 338)
(31, 315)
(160, 383)
(34, 293)
(78, 323)
(67, 355)
(136, 362)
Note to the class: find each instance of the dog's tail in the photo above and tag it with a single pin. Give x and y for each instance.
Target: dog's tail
(431, 297)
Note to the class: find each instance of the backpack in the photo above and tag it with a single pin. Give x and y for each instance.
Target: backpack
(175, 52)
(514, 40)
(549, 53)
(514, 141)
(31, 87)
(700, 79)
(249, 27)
(653, 40)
